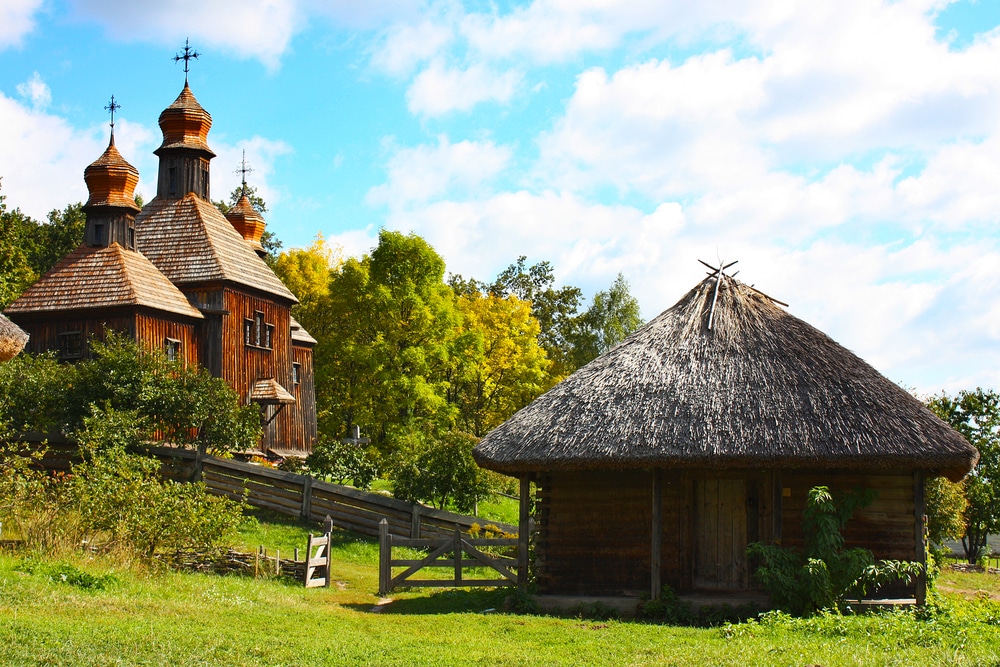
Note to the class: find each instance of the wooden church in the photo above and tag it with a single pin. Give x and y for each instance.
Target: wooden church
(181, 277)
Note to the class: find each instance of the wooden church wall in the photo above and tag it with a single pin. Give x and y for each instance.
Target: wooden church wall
(298, 422)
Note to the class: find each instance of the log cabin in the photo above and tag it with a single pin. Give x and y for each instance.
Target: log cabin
(660, 461)
(181, 277)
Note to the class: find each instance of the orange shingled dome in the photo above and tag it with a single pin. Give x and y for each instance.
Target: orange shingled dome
(248, 222)
(111, 180)
(185, 124)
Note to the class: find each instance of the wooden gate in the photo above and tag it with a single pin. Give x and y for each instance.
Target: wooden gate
(459, 547)
(318, 562)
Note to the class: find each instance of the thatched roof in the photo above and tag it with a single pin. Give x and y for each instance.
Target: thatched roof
(760, 389)
(12, 339)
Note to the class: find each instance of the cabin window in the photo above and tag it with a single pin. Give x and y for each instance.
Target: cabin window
(296, 373)
(268, 335)
(71, 345)
(172, 347)
(258, 319)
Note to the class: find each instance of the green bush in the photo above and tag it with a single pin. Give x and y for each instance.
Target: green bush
(123, 498)
(439, 468)
(826, 574)
(343, 462)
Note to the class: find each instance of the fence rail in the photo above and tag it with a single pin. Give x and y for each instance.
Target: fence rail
(311, 499)
(438, 550)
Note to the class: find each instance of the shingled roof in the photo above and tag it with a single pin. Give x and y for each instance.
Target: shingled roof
(759, 389)
(102, 277)
(190, 241)
(299, 334)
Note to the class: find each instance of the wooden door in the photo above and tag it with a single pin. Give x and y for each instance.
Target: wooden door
(721, 516)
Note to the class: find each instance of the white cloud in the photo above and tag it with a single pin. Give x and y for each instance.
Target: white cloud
(36, 91)
(17, 19)
(260, 29)
(403, 47)
(429, 172)
(439, 89)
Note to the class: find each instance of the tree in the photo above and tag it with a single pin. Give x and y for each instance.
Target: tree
(613, 315)
(976, 415)
(16, 273)
(946, 504)
(499, 367)
(439, 468)
(554, 308)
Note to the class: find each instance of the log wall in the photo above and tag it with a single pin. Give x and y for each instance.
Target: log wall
(594, 527)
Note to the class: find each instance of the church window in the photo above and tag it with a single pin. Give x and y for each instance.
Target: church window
(268, 335)
(258, 319)
(172, 174)
(99, 234)
(131, 238)
(296, 373)
(71, 345)
(172, 347)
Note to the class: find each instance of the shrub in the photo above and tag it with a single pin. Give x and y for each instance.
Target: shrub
(123, 496)
(343, 462)
(825, 574)
(439, 468)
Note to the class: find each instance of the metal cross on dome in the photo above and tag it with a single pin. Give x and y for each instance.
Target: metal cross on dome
(718, 273)
(112, 107)
(244, 170)
(187, 55)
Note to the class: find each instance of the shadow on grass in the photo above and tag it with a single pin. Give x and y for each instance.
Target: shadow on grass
(451, 601)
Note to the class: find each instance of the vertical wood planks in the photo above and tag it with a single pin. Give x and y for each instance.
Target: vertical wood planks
(523, 532)
(657, 537)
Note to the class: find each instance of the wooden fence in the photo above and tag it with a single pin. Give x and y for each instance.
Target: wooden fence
(308, 498)
(449, 552)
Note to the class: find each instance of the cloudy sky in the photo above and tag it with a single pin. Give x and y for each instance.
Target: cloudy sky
(846, 152)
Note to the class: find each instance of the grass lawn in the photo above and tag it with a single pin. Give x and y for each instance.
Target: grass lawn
(54, 615)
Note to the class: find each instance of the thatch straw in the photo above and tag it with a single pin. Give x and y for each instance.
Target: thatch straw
(12, 339)
(760, 389)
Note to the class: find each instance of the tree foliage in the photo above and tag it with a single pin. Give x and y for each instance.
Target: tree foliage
(498, 364)
(612, 316)
(183, 405)
(976, 415)
(437, 467)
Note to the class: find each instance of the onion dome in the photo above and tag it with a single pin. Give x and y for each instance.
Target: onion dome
(12, 339)
(248, 222)
(185, 124)
(111, 180)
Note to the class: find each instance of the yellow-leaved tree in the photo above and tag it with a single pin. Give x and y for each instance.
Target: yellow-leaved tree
(499, 366)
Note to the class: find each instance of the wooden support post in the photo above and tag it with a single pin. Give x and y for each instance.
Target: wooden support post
(523, 533)
(457, 546)
(656, 539)
(776, 503)
(328, 559)
(384, 558)
(307, 487)
(277, 562)
(415, 522)
(919, 533)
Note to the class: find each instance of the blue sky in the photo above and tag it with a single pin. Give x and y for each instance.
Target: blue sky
(846, 152)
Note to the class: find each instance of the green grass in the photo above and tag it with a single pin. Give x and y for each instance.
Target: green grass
(136, 616)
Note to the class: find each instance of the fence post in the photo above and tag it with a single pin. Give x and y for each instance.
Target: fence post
(384, 558)
(415, 522)
(307, 487)
(457, 542)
